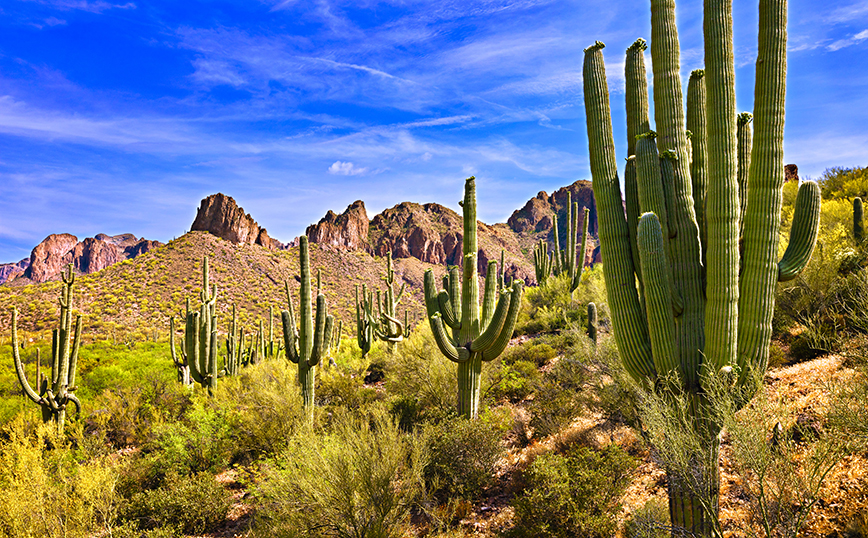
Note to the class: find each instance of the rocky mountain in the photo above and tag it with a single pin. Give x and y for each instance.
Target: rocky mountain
(219, 215)
(433, 233)
(55, 252)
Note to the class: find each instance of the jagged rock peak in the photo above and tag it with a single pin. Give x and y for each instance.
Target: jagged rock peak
(348, 230)
(536, 215)
(55, 252)
(220, 215)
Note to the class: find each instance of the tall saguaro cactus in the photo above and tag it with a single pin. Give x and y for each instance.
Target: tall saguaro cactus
(389, 328)
(200, 334)
(366, 321)
(307, 341)
(706, 259)
(566, 261)
(474, 337)
(58, 390)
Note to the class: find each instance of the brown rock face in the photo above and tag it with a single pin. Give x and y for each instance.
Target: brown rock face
(219, 215)
(50, 256)
(93, 254)
(791, 172)
(349, 230)
(11, 271)
(536, 215)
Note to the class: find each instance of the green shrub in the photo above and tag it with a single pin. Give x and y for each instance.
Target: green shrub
(462, 456)
(650, 521)
(577, 494)
(338, 388)
(264, 407)
(193, 504)
(515, 381)
(533, 351)
(559, 398)
(360, 480)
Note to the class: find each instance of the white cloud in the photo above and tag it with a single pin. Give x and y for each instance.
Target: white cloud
(340, 168)
(848, 41)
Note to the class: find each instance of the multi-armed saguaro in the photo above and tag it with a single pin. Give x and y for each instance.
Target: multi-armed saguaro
(57, 391)
(366, 321)
(384, 324)
(308, 341)
(473, 338)
(707, 297)
(200, 335)
(564, 261)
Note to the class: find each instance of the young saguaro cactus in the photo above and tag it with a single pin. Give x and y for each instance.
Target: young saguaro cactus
(57, 391)
(366, 321)
(475, 337)
(858, 226)
(543, 262)
(592, 322)
(706, 300)
(179, 359)
(307, 341)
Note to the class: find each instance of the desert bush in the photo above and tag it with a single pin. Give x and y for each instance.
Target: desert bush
(839, 182)
(359, 480)
(650, 521)
(535, 351)
(462, 455)
(47, 492)
(263, 405)
(192, 504)
(559, 399)
(419, 372)
(576, 494)
(337, 387)
(515, 381)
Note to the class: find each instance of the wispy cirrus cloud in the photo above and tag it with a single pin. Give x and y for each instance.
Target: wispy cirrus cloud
(848, 41)
(92, 6)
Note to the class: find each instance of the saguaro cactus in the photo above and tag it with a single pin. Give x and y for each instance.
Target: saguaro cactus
(307, 341)
(200, 334)
(179, 360)
(592, 322)
(390, 329)
(858, 227)
(474, 338)
(543, 262)
(696, 321)
(56, 391)
(366, 321)
(566, 261)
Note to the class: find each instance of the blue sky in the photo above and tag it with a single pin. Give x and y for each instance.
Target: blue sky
(119, 116)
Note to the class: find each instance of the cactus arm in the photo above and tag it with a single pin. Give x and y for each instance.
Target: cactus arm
(650, 185)
(803, 234)
(444, 344)
(500, 270)
(696, 124)
(556, 265)
(75, 402)
(177, 362)
(193, 347)
(211, 378)
(722, 205)
(628, 320)
(289, 336)
(684, 247)
(445, 309)
(489, 296)
(508, 327)
(658, 294)
(454, 289)
(492, 330)
(745, 142)
(636, 85)
(858, 226)
(763, 213)
(318, 348)
(432, 302)
(19, 366)
(582, 250)
(573, 219)
(73, 358)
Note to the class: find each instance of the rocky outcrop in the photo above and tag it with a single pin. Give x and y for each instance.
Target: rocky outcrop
(536, 215)
(219, 215)
(11, 271)
(50, 256)
(348, 230)
(93, 254)
(791, 172)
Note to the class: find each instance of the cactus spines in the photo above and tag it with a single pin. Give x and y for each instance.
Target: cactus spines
(307, 341)
(592, 322)
(57, 391)
(473, 338)
(858, 226)
(688, 318)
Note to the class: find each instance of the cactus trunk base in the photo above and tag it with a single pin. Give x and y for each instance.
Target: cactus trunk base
(693, 514)
(469, 386)
(307, 380)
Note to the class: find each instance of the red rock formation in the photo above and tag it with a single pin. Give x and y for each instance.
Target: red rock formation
(219, 215)
(11, 271)
(348, 230)
(50, 256)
